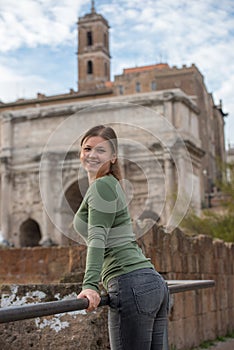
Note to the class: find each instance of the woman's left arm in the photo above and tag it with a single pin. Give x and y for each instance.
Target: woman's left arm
(92, 296)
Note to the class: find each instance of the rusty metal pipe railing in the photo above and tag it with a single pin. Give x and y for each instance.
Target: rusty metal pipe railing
(178, 286)
(23, 312)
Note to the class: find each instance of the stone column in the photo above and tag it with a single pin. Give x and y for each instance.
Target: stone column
(168, 111)
(47, 202)
(169, 184)
(6, 153)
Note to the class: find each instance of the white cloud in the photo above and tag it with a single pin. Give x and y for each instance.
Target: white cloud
(33, 22)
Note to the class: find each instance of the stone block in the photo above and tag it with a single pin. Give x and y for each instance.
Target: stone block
(180, 336)
(191, 330)
(77, 259)
(189, 304)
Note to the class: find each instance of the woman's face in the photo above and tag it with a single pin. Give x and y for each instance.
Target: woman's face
(96, 155)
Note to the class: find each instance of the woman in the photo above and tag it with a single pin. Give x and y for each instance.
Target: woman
(138, 294)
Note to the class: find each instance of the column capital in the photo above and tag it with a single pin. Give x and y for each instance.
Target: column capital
(7, 116)
(5, 154)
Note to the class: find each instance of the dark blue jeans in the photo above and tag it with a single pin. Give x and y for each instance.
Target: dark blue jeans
(137, 318)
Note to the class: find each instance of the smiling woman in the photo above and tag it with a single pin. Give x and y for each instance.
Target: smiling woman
(96, 157)
(99, 150)
(138, 294)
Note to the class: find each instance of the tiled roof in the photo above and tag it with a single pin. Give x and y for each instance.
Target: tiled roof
(145, 68)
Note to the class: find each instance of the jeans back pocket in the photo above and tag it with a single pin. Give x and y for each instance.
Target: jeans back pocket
(148, 297)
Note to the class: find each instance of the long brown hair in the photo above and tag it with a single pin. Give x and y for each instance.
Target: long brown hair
(108, 134)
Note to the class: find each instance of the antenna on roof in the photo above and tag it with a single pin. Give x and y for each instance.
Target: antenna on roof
(93, 7)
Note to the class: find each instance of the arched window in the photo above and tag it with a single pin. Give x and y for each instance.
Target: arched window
(30, 234)
(89, 67)
(138, 86)
(89, 39)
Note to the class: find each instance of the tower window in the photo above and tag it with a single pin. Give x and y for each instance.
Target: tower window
(89, 67)
(138, 86)
(105, 40)
(89, 39)
(153, 85)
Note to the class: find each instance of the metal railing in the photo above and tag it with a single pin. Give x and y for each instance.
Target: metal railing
(17, 313)
(177, 286)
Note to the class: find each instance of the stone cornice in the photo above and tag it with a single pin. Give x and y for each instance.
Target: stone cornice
(193, 149)
(48, 100)
(142, 99)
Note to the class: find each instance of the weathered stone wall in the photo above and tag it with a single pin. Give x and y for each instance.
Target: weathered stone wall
(65, 331)
(195, 316)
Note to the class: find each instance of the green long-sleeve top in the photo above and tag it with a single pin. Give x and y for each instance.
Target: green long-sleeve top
(104, 222)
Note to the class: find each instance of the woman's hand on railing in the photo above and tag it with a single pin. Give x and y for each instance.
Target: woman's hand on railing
(92, 296)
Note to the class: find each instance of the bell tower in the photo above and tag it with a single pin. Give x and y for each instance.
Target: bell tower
(93, 51)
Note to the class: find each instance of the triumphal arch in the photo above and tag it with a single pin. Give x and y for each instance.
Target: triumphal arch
(42, 183)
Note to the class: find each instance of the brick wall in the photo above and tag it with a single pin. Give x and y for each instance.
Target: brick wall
(195, 316)
(39, 264)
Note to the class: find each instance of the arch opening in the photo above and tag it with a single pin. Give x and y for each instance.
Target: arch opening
(30, 233)
(73, 197)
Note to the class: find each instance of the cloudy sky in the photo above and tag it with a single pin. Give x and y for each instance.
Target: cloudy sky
(39, 43)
